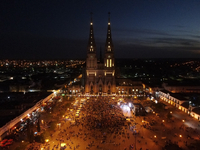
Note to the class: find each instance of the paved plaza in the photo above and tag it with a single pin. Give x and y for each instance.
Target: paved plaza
(108, 123)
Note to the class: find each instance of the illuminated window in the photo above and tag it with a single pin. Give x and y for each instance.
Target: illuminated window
(108, 23)
(110, 62)
(91, 46)
(91, 42)
(91, 23)
(108, 46)
(107, 62)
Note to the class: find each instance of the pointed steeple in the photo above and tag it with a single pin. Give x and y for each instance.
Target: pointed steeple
(109, 44)
(91, 41)
(101, 60)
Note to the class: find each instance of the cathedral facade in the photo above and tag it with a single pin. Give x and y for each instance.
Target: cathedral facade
(100, 75)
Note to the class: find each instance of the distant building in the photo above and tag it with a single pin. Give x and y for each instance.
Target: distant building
(180, 102)
(181, 88)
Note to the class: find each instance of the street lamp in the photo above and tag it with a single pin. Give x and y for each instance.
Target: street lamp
(180, 136)
(183, 120)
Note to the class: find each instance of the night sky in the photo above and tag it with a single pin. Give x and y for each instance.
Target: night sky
(47, 29)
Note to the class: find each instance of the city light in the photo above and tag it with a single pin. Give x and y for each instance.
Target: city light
(125, 108)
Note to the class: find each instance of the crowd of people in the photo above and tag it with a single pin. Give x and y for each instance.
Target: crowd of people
(103, 114)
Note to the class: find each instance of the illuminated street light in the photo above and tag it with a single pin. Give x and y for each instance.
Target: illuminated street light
(170, 112)
(163, 120)
(154, 136)
(183, 120)
(180, 136)
(47, 140)
(58, 124)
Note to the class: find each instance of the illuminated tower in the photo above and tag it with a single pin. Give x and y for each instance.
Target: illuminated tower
(109, 52)
(100, 77)
(91, 61)
(109, 61)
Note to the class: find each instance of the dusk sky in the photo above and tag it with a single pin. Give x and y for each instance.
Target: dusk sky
(46, 29)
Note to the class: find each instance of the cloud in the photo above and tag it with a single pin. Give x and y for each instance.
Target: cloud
(136, 31)
(159, 48)
(175, 41)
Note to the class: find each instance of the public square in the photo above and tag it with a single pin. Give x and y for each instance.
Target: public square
(110, 123)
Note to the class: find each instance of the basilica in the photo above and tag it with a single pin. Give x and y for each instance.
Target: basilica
(100, 75)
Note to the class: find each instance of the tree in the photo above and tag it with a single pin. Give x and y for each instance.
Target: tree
(31, 136)
(38, 125)
(53, 125)
(169, 116)
(28, 130)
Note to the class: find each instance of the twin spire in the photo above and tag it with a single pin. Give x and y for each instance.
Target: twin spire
(91, 42)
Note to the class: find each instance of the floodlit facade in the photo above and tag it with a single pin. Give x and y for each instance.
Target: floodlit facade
(100, 76)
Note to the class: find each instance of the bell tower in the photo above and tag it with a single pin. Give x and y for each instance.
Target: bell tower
(109, 62)
(91, 60)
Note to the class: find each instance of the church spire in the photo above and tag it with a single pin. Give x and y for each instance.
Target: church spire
(109, 44)
(91, 41)
(101, 60)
